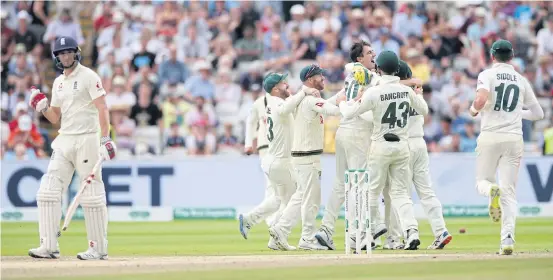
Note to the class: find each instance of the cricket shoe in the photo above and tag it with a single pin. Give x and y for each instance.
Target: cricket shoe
(507, 245)
(440, 242)
(281, 239)
(393, 244)
(325, 238)
(311, 245)
(91, 253)
(413, 241)
(495, 206)
(42, 253)
(272, 244)
(380, 230)
(353, 239)
(245, 226)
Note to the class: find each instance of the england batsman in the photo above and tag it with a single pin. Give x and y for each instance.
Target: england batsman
(277, 164)
(352, 141)
(78, 103)
(501, 94)
(307, 148)
(418, 165)
(256, 125)
(390, 102)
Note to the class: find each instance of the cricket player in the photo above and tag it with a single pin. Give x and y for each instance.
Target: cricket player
(277, 164)
(501, 94)
(390, 102)
(78, 102)
(256, 123)
(306, 159)
(420, 173)
(352, 142)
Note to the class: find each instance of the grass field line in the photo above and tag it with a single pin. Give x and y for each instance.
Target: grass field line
(21, 267)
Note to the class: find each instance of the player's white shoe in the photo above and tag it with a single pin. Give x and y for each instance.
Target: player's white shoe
(440, 242)
(245, 226)
(413, 240)
(353, 239)
(311, 245)
(507, 245)
(325, 238)
(392, 244)
(379, 231)
(42, 253)
(280, 239)
(272, 244)
(91, 254)
(495, 205)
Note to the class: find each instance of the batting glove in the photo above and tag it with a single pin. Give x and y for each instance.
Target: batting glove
(107, 148)
(38, 100)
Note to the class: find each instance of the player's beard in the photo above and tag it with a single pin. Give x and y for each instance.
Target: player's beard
(284, 93)
(320, 84)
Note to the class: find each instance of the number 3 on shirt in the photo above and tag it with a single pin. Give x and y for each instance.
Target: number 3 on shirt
(503, 96)
(390, 115)
(270, 135)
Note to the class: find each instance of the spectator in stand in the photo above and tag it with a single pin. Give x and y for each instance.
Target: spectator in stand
(146, 113)
(445, 141)
(119, 98)
(200, 120)
(408, 22)
(175, 140)
(23, 35)
(175, 109)
(65, 25)
(436, 50)
(106, 18)
(418, 64)
(544, 75)
(123, 127)
(458, 90)
(545, 37)
(172, 69)
(412, 42)
(385, 42)
(23, 131)
(479, 28)
(193, 48)
(276, 57)
(324, 21)
(303, 47)
(248, 48)
(143, 57)
(200, 85)
(227, 94)
(298, 21)
(228, 140)
(199, 24)
(117, 30)
(467, 142)
(167, 18)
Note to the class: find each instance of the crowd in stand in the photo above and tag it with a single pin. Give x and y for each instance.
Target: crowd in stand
(181, 76)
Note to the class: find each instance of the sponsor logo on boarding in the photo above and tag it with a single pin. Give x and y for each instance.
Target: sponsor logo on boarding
(12, 216)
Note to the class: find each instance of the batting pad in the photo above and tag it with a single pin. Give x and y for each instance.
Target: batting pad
(49, 211)
(96, 221)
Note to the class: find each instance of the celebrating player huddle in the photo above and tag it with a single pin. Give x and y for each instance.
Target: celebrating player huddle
(381, 130)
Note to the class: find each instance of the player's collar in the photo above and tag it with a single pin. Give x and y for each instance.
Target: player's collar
(388, 79)
(501, 64)
(77, 68)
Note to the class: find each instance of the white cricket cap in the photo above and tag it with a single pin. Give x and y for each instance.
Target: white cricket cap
(202, 65)
(297, 10)
(118, 81)
(24, 123)
(23, 15)
(480, 12)
(21, 106)
(357, 13)
(118, 17)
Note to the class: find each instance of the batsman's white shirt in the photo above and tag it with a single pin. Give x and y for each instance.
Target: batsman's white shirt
(74, 94)
(256, 124)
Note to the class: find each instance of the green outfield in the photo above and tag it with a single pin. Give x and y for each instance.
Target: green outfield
(190, 244)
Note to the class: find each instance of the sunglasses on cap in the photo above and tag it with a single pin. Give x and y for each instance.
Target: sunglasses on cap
(313, 70)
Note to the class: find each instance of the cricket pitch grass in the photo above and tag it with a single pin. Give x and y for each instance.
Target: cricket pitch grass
(214, 249)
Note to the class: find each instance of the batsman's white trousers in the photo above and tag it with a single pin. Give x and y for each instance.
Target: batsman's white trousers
(282, 182)
(420, 176)
(269, 191)
(70, 153)
(306, 199)
(503, 152)
(352, 148)
(390, 161)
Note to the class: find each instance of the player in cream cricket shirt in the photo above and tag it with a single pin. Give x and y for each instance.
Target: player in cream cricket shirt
(306, 158)
(390, 102)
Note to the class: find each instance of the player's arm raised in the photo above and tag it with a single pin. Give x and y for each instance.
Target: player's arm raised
(322, 106)
(482, 93)
(290, 103)
(334, 99)
(358, 106)
(534, 111)
(418, 103)
(39, 103)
